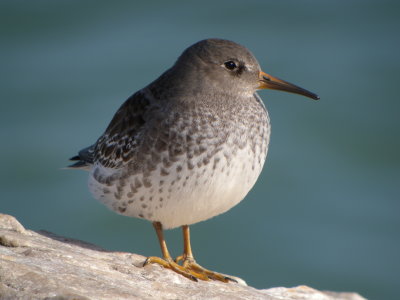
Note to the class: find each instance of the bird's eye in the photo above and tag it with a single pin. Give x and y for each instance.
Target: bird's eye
(230, 65)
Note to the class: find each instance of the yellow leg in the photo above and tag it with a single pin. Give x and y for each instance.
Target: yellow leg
(189, 263)
(167, 261)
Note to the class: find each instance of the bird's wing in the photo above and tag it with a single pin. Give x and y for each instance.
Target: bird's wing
(118, 142)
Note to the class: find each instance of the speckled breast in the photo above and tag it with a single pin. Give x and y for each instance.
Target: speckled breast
(189, 168)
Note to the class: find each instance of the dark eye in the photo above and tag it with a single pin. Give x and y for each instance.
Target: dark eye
(230, 65)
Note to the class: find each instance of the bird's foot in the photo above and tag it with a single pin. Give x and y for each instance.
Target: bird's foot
(188, 263)
(169, 263)
(189, 269)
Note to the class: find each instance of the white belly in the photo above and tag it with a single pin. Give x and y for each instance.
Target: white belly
(185, 193)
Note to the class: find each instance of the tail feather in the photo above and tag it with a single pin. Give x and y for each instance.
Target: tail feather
(79, 165)
(76, 157)
(84, 159)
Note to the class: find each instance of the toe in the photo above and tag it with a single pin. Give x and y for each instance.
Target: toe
(194, 267)
(172, 265)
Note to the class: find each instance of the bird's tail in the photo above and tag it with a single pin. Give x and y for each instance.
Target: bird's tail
(80, 164)
(84, 160)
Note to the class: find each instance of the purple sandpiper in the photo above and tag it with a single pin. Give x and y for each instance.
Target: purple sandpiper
(187, 147)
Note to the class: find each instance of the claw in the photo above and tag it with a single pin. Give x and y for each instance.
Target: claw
(170, 264)
(231, 279)
(193, 266)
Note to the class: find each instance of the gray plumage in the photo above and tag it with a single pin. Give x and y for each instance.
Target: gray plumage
(188, 146)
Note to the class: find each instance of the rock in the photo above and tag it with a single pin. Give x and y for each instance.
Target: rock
(42, 265)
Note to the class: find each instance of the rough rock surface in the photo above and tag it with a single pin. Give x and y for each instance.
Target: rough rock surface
(42, 265)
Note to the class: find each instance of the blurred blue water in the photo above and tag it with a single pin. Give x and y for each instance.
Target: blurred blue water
(325, 211)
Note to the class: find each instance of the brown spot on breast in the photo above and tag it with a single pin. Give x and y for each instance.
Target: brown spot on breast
(202, 149)
(179, 168)
(176, 151)
(167, 163)
(216, 160)
(164, 172)
(146, 182)
(121, 209)
(138, 184)
(190, 165)
(227, 156)
(133, 189)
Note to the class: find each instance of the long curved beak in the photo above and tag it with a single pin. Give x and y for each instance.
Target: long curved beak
(274, 83)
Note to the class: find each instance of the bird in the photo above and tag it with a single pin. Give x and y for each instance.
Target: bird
(187, 147)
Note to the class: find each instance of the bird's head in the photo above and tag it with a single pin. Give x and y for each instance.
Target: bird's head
(230, 68)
